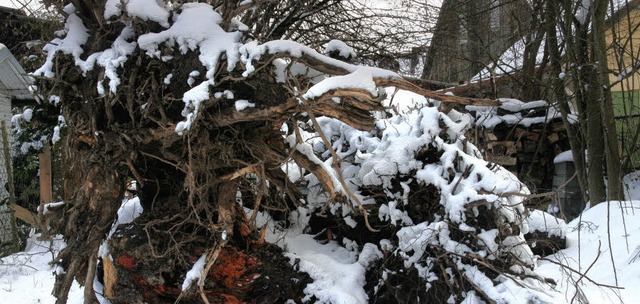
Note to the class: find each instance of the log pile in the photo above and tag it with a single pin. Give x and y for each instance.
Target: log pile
(524, 138)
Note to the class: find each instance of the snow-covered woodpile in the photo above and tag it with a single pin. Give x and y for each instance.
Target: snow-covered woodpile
(258, 162)
(524, 137)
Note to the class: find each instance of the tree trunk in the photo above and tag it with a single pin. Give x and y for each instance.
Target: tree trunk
(532, 73)
(93, 194)
(595, 137)
(558, 86)
(612, 150)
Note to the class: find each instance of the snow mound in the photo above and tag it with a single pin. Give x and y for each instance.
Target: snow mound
(541, 221)
(604, 246)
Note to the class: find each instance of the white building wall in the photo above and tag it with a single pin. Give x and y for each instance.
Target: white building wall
(6, 236)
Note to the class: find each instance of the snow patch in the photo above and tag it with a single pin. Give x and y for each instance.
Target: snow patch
(337, 276)
(563, 157)
(242, 104)
(195, 273)
(197, 27)
(145, 10)
(339, 46)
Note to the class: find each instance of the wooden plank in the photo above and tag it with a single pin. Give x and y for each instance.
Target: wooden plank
(46, 194)
(25, 215)
(502, 160)
(521, 133)
(557, 126)
(504, 147)
(46, 191)
(553, 138)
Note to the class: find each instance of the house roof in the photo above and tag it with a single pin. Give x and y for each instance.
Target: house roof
(13, 79)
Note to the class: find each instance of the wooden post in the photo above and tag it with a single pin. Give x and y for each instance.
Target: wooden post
(46, 194)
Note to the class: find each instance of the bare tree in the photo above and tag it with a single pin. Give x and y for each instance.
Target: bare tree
(584, 30)
(564, 57)
(469, 35)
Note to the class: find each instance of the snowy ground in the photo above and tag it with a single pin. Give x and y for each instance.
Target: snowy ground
(603, 259)
(26, 277)
(593, 243)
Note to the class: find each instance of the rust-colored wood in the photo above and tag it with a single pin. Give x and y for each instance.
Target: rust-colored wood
(46, 194)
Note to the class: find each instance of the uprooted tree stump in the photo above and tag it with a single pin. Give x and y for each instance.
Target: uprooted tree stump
(209, 123)
(134, 272)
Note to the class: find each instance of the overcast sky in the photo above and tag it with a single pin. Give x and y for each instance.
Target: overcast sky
(20, 3)
(7, 3)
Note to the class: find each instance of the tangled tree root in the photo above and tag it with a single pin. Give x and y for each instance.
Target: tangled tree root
(252, 272)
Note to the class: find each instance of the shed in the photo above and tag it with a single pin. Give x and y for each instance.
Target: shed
(14, 85)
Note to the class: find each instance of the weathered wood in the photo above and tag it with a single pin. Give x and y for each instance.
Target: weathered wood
(25, 215)
(522, 133)
(502, 160)
(558, 127)
(109, 277)
(530, 146)
(553, 137)
(46, 194)
(504, 147)
(488, 135)
(443, 97)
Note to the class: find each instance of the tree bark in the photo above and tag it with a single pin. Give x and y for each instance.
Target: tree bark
(612, 150)
(558, 87)
(595, 137)
(94, 192)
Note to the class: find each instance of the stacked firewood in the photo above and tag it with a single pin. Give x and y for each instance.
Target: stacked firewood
(522, 137)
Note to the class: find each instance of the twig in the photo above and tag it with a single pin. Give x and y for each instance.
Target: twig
(581, 274)
(613, 262)
(482, 293)
(18, 265)
(336, 167)
(238, 173)
(211, 259)
(163, 160)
